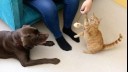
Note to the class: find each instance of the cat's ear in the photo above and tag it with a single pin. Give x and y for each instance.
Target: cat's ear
(99, 20)
(94, 15)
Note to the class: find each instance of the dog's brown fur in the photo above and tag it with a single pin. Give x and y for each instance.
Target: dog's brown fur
(17, 44)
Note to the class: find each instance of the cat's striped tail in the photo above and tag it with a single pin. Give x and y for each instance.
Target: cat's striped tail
(110, 45)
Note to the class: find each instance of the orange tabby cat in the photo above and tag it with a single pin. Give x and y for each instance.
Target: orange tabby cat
(93, 35)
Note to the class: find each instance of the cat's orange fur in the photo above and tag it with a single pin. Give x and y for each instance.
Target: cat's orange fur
(93, 36)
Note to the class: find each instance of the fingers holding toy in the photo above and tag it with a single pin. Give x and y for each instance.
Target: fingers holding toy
(86, 6)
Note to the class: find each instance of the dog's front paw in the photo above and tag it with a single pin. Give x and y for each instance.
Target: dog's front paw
(49, 43)
(55, 61)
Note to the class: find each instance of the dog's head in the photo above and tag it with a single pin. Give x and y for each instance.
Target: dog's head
(31, 37)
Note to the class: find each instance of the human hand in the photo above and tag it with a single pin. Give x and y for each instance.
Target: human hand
(86, 6)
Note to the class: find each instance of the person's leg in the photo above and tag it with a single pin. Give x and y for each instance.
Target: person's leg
(49, 13)
(70, 9)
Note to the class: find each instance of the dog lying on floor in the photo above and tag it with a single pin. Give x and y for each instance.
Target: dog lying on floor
(17, 44)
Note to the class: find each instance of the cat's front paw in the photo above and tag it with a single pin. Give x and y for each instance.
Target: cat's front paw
(87, 52)
(76, 36)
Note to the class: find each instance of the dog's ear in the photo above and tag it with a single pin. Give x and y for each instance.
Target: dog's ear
(26, 26)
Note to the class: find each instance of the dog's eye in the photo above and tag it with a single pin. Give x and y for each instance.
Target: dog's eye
(28, 35)
(36, 31)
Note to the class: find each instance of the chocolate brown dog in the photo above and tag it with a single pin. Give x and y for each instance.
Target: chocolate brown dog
(17, 44)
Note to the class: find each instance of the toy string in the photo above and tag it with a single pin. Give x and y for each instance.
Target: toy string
(81, 16)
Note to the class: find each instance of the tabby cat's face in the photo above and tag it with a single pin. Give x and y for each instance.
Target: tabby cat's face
(93, 23)
(94, 20)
